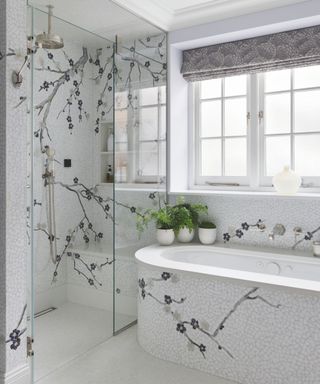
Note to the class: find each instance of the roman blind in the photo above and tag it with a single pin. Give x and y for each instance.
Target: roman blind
(300, 47)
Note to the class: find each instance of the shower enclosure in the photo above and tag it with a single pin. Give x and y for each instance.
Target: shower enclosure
(97, 163)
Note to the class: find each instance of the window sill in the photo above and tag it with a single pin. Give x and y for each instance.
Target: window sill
(142, 187)
(246, 193)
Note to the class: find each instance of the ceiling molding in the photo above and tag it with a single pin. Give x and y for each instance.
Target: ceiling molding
(171, 18)
(149, 10)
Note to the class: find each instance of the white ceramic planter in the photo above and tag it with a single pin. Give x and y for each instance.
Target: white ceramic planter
(207, 235)
(185, 235)
(165, 236)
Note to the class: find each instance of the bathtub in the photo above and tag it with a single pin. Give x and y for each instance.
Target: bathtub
(247, 315)
(283, 268)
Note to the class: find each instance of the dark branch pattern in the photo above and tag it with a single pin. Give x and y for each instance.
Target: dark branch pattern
(15, 336)
(72, 72)
(45, 106)
(185, 327)
(239, 232)
(306, 237)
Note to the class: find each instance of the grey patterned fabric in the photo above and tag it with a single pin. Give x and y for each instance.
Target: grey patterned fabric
(300, 47)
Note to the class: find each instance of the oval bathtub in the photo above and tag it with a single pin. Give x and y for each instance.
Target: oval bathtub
(283, 268)
(222, 311)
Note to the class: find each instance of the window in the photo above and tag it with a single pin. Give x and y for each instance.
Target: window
(248, 127)
(150, 134)
(141, 135)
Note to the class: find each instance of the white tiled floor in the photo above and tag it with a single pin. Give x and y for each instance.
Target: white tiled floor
(120, 360)
(67, 333)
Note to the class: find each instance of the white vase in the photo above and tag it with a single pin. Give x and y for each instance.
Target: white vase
(207, 235)
(286, 182)
(165, 236)
(185, 235)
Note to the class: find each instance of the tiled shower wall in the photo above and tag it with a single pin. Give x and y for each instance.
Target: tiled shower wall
(13, 249)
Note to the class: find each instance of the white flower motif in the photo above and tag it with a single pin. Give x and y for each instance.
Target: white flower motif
(176, 315)
(204, 325)
(167, 308)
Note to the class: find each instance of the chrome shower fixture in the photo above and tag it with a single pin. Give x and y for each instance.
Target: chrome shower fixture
(49, 40)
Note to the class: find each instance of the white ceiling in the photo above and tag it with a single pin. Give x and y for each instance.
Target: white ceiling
(175, 14)
(102, 17)
(110, 17)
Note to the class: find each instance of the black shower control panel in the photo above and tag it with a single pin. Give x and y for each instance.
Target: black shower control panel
(67, 163)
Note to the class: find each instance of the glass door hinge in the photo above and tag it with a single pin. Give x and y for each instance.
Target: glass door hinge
(248, 115)
(30, 351)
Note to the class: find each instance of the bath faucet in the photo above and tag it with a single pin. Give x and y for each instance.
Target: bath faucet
(278, 230)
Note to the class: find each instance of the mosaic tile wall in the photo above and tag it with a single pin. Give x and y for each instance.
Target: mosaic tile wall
(12, 188)
(233, 211)
(241, 332)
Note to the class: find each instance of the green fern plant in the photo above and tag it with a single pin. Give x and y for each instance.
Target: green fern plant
(186, 214)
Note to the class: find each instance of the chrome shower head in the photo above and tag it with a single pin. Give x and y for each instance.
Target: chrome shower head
(49, 40)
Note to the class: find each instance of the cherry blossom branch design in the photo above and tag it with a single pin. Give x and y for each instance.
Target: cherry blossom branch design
(15, 336)
(185, 327)
(239, 232)
(308, 236)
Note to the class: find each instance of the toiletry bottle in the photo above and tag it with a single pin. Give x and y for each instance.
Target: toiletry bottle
(109, 174)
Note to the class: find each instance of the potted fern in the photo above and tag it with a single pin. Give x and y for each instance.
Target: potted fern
(185, 219)
(207, 232)
(164, 224)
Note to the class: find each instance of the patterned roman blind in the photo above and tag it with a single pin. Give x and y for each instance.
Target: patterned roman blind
(300, 47)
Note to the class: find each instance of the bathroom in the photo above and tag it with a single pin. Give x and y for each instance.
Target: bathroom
(159, 191)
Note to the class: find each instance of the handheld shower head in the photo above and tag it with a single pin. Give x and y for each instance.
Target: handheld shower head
(48, 40)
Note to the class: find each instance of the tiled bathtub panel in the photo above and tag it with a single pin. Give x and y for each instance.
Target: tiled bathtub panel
(269, 345)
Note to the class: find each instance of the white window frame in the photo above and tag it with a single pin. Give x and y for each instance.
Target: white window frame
(138, 178)
(308, 181)
(206, 180)
(255, 179)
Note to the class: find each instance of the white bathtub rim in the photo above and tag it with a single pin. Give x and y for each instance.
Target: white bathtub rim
(152, 256)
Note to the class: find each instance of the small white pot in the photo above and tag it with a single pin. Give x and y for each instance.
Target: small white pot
(165, 236)
(185, 235)
(207, 235)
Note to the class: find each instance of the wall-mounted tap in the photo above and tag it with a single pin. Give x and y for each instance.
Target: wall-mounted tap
(297, 232)
(278, 230)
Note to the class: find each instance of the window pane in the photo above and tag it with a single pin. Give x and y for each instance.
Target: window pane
(149, 123)
(163, 94)
(211, 118)
(277, 113)
(277, 80)
(277, 154)
(235, 117)
(148, 96)
(148, 159)
(307, 77)
(307, 155)
(307, 111)
(163, 123)
(162, 154)
(121, 100)
(236, 157)
(210, 89)
(211, 157)
(235, 85)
